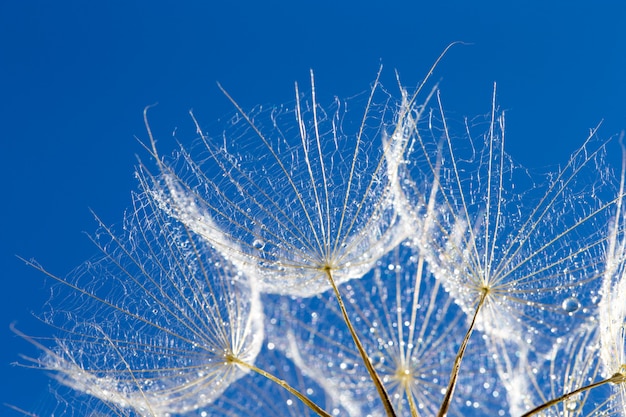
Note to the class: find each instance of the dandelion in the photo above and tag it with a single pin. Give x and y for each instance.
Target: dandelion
(610, 340)
(409, 326)
(515, 271)
(314, 214)
(308, 209)
(612, 316)
(160, 325)
(245, 254)
(298, 196)
(291, 193)
(574, 363)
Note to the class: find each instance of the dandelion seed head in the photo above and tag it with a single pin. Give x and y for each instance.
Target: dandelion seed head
(612, 308)
(524, 242)
(406, 322)
(291, 193)
(173, 327)
(421, 232)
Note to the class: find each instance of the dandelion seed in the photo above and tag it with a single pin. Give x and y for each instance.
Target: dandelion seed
(612, 308)
(315, 186)
(323, 203)
(524, 260)
(413, 360)
(604, 348)
(571, 383)
(367, 212)
(575, 364)
(154, 326)
(292, 192)
(509, 266)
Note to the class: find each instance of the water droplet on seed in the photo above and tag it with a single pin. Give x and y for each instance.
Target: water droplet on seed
(570, 305)
(573, 405)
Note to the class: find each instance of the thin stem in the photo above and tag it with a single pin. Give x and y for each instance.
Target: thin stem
(366, 360)
(409, 396)
(617, 378)
(316, 408)
(445, 405)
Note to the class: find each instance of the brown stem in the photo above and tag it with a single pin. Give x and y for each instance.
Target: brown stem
(316, 408)
(616, 379)
(445, 405)
(370, 368)
(409, 397)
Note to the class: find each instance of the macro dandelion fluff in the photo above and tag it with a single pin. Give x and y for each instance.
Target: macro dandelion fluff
(609, 345)
(343, 260)
(487, 242)
(596, 377)
(289, 193)
(612, 315)
(300, 197)
(516, 255)
(159, 325)
(574, 363)
(408, 324)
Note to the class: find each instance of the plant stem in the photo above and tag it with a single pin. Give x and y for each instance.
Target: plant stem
(366, 360)
(616, 379)
(445, 405)
(409, 397)
(316, 408)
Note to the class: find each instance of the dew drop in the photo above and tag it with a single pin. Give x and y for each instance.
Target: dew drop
(570, 305)
(573, 405)
(258, 244)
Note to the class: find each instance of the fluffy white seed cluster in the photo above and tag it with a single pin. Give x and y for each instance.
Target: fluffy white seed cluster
(371, 257)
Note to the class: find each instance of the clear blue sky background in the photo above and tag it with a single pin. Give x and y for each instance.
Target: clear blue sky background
(76, 75)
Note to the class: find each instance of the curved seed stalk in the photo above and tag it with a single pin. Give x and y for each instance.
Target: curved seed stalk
(617, 378)
(283, 384)
(366, 360)
(459, 358)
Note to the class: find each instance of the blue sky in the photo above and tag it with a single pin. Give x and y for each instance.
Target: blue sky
(76, 75)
